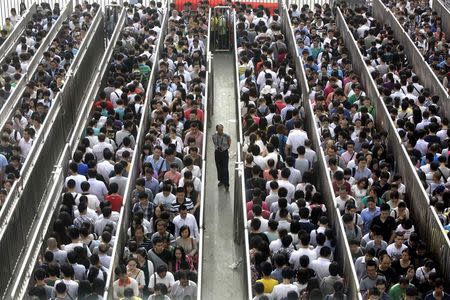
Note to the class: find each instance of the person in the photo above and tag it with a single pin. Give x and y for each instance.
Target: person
(281, 290)
(222, 143)
(163, 276)
(123, 282)
(183, 288)
(438, 291)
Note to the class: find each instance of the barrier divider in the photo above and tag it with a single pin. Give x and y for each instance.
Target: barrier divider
(27, 199)
(8, 45)
(416, 59)
(241, 231)
(417, 199)
(122, 224)
(344, 256)
(442, 11)
(13, 101)
(209, 87)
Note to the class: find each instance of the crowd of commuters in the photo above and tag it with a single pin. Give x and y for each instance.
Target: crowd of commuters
(17, 135)
(161, 254)
(14, 65)
(78, 253)
(292, 244)
(10, 22)
(429, 124)
(390, 259)
(163, 233)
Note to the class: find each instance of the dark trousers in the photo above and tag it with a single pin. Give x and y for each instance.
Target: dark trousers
(221, 158)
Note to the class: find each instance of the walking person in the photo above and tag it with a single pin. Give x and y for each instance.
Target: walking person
(222, 142)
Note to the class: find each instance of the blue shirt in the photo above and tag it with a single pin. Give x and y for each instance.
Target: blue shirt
(367, 217)
(83, 169)
(3, 162)
(152, 185)
(159, 165)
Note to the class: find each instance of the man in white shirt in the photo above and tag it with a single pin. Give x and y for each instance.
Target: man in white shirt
(92, 200)
(296, 138)
(183, 288)
(60, 256)
(26, 142)
(119, 179)
(281, 290)
(100, 224)
(322, 264)
(97, 187)
(163, 276)
(105, 167)
(73, 170)
(185, 218)
(99, 148)
(165, 197)
(395, 249)
(304, 249)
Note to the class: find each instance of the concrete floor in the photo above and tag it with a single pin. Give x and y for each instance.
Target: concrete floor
(220, 281)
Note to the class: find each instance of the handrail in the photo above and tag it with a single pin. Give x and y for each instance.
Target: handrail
(8, 110)
(13, 101)
(122, 223)
(209, 85)
(8, 45)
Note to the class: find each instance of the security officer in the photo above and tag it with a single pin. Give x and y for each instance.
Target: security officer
(222, 142)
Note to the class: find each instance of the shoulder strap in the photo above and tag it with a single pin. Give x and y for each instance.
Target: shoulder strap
(442, 174)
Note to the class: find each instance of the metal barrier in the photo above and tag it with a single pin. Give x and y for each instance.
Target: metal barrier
(421, 67)
(344, 256)
(443, 11)
(124, 220)
(209, 87)
(27, 205)
(13, 101)
(240, 204)
(417, 199)
(8, 45)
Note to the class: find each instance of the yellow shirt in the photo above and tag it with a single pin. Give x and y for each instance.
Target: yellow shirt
(268, 284)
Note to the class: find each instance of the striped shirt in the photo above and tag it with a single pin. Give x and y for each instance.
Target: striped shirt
(221, 141)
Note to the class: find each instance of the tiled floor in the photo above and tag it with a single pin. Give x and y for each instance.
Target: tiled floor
(220, 281)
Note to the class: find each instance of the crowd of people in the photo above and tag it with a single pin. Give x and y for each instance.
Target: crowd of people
(15, 64)
(292, 243)
(17, 135)
(429, 124)
(161, 254)
(391, 260)
(10, 23)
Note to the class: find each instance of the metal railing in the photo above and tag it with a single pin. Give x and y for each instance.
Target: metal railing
(13, 38)
(344, 256)
(209, 87)
(240, 205)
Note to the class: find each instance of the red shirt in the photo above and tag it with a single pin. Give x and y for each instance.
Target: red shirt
(109, 104)
(199, 114)
(116, 202)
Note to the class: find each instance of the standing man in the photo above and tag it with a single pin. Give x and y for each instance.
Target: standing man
(222, 142)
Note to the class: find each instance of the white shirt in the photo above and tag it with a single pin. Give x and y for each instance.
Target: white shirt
(98, 188)
(264, 223)
(104, 168)
(168, 280)
(72, 287)
(321, 266)
(295, 256)
(196, 172)
(189, 221)
(69, 247)
(296, 138)
(98, 149)
(281, 290)
(78, 180)
(165, 201)
(25, 147)
(394, 252)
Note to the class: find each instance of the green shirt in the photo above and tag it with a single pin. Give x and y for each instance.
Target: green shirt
(397, 293)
